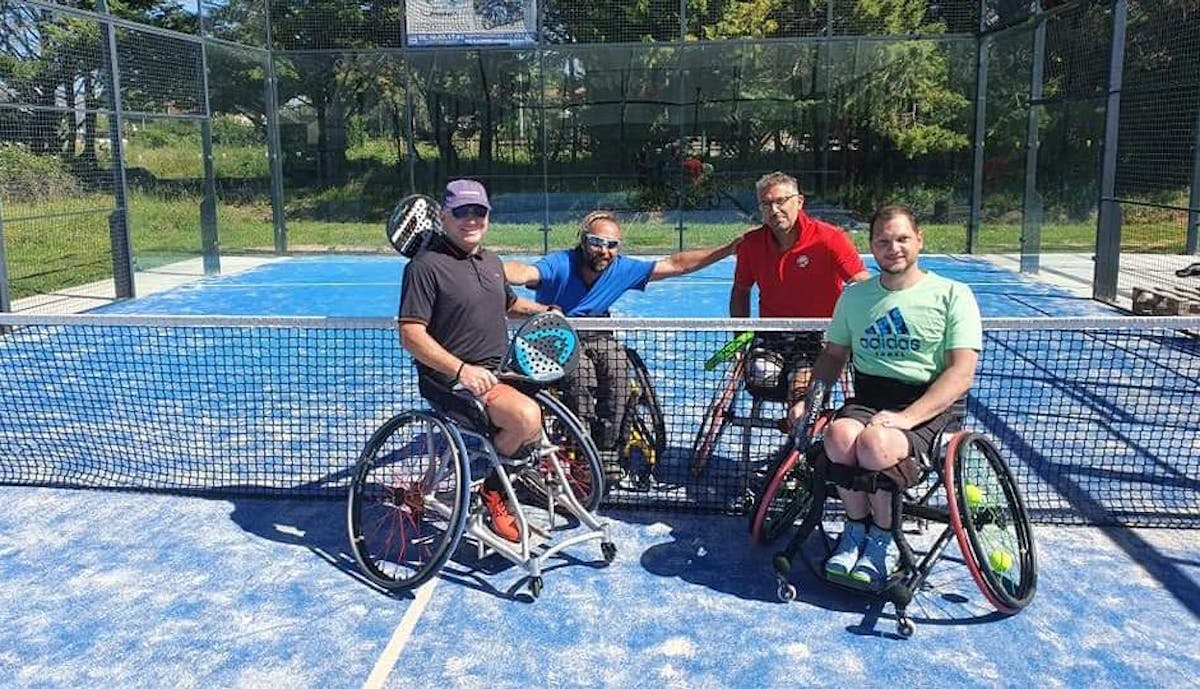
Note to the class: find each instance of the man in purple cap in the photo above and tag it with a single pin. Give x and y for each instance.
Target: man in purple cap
(453, 306)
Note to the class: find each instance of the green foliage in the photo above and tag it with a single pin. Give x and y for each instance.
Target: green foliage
(164, 133)
(235, 130)
(26, 176)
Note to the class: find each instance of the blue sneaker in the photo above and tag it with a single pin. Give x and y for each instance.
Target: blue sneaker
(847, 551)
(880, 558)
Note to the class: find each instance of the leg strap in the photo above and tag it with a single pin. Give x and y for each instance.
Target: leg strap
(893, 479)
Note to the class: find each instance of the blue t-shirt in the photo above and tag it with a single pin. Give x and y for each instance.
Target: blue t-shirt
(561, 284)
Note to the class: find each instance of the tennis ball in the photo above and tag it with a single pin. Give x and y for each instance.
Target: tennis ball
(973, 495)
(1000, 560)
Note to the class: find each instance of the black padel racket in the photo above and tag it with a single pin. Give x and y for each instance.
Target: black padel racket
(413, 223)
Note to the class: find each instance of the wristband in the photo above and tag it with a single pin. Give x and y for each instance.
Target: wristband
(458, 373)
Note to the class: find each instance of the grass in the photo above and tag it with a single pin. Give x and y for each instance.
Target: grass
(48, 253)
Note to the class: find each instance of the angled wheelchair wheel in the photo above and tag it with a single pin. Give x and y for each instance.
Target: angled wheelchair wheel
(990, 523)
(408, 501)
(786, 492)
(786, 495)
(576, 453)
(716, 418)
(643, 436)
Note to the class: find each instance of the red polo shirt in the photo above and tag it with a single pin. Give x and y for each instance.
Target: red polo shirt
(803, 281)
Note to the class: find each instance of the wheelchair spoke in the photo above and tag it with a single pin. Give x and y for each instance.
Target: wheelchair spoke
(407, 507)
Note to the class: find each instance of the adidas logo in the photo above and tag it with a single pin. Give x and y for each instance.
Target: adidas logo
(888, 336)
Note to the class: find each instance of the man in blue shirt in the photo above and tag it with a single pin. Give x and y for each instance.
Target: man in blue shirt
(584, 282)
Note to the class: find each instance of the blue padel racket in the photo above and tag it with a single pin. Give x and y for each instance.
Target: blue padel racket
(413, 223)
(544, 349)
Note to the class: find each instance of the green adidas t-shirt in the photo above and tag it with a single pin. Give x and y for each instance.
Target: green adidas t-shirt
(905, 334)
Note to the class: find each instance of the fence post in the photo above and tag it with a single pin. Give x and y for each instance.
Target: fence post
(1108, 221)
(1031, 216)
(1192, 243)
(542, 128)
(275, 155)
(982, 47)
(118, 220)
(5, 298)
(209, 237)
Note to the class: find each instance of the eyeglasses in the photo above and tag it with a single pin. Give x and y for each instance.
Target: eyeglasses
(469, 211)
(776, 203)
(598, 242)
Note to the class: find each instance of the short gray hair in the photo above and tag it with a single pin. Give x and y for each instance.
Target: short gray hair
(772, 179)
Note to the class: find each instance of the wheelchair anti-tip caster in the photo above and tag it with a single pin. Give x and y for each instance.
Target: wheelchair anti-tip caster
(609, 550)
(535, 586)
(905, 626)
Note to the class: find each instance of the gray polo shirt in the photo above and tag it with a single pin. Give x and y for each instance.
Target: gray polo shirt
(463, 301)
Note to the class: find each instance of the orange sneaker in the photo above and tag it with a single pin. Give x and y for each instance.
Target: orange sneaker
(502, 522)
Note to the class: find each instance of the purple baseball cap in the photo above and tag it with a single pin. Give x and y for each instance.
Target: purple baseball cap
(465, 192)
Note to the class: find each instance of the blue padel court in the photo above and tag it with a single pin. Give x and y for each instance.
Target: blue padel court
(124, 589)
(364, 286)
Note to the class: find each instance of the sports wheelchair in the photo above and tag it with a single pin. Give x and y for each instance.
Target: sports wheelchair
(964, 484)
(412, 497)
(642, 438)
(761, 370)
(412, 500)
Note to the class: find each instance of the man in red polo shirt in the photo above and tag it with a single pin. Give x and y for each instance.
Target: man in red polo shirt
(800, 265)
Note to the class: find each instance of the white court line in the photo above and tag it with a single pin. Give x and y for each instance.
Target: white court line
(387, 660)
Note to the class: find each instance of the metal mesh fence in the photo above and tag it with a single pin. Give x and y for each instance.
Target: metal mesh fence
(1158, 157)
(55, 155)
(1070, 117)
(241, 161)
(237, 21)
(1094, 417)
(1005, 102)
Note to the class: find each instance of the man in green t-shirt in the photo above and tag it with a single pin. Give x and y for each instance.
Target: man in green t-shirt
(914, 338)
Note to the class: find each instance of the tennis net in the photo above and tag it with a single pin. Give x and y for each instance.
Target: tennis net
(1095, 416)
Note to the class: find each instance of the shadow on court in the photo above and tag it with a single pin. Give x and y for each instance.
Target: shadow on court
(715, 552)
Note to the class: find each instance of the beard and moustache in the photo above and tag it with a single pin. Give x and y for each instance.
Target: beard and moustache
(596, 263)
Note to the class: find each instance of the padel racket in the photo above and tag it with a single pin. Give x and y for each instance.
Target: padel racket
(413, 223)
(730, 348)
(544, 349)
(787, 492)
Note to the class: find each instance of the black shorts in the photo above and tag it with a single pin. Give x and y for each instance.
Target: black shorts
(874, 394)
(789, 352)
(458, 405)
(799, 350)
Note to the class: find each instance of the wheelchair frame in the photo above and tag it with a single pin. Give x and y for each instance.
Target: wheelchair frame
(641, 442)
(721, 413)
(442, 487)
(799, 483)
